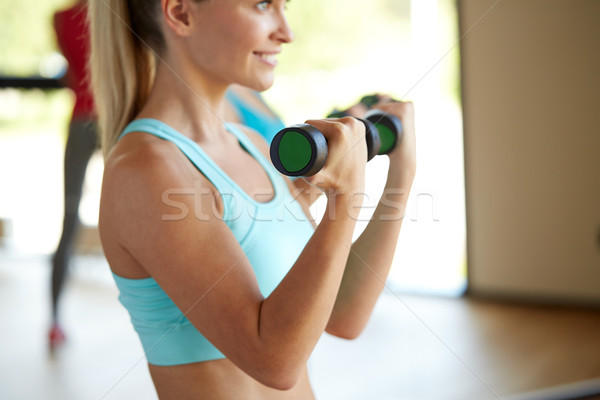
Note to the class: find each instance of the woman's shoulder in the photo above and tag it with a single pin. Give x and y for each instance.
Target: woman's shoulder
(143, 162)
(138, 152)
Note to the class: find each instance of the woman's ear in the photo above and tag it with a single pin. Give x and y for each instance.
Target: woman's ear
(177, 14)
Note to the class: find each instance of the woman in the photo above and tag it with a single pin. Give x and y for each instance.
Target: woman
(228, 283)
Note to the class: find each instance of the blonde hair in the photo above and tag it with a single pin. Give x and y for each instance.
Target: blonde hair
(122, 63)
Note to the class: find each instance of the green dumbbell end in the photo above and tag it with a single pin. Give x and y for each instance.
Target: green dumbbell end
(294, 151)
(387, 138)
(299, 150)
(389, 128)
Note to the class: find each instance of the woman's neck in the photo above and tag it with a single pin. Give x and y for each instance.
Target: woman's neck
(190, 103)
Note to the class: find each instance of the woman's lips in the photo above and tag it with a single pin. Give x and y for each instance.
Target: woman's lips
(267, 58)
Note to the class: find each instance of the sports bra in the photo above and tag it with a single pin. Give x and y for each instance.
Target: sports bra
(265, 124)
(272, 235)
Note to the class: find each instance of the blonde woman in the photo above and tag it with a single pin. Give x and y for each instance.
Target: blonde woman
(228, 282)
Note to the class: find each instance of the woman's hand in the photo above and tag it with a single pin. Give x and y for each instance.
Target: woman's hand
(403, 158)
(344, 170)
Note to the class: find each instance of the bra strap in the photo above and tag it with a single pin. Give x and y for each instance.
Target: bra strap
(191, 150)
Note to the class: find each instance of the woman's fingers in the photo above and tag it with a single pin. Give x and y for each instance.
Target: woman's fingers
(347, 152)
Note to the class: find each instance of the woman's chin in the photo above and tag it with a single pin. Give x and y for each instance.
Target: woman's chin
(261, 88)
(259, 85)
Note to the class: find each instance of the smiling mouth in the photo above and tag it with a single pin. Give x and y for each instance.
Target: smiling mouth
(268, 58)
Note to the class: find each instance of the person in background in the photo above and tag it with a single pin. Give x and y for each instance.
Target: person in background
(73, 40)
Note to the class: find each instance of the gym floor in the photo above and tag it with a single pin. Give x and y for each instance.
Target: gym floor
(413, 348)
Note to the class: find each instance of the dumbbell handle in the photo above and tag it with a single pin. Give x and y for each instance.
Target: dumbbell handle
(301, 150)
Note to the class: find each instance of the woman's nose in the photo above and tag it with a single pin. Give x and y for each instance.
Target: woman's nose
(284, 33)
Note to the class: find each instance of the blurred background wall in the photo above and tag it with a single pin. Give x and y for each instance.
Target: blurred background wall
(531, 98)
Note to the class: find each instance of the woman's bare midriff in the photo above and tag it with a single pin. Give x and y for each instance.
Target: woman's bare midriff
(220, 380)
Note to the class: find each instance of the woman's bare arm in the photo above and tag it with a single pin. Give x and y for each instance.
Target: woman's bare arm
(371, 254)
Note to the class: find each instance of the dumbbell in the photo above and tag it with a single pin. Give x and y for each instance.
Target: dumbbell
(368, 101)
(301, 150)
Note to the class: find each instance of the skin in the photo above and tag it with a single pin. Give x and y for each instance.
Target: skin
(267, 341)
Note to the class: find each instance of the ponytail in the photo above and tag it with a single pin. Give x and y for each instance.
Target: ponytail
(121, 66)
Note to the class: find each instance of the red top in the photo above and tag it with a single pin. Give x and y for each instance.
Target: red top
(74, 41)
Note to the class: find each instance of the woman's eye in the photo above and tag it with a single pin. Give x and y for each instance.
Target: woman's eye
(264, 5)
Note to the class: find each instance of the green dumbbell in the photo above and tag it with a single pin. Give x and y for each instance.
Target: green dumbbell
(368, 101)
(301, 150)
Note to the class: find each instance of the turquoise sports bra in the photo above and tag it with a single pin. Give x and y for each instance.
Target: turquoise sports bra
(272, 235)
